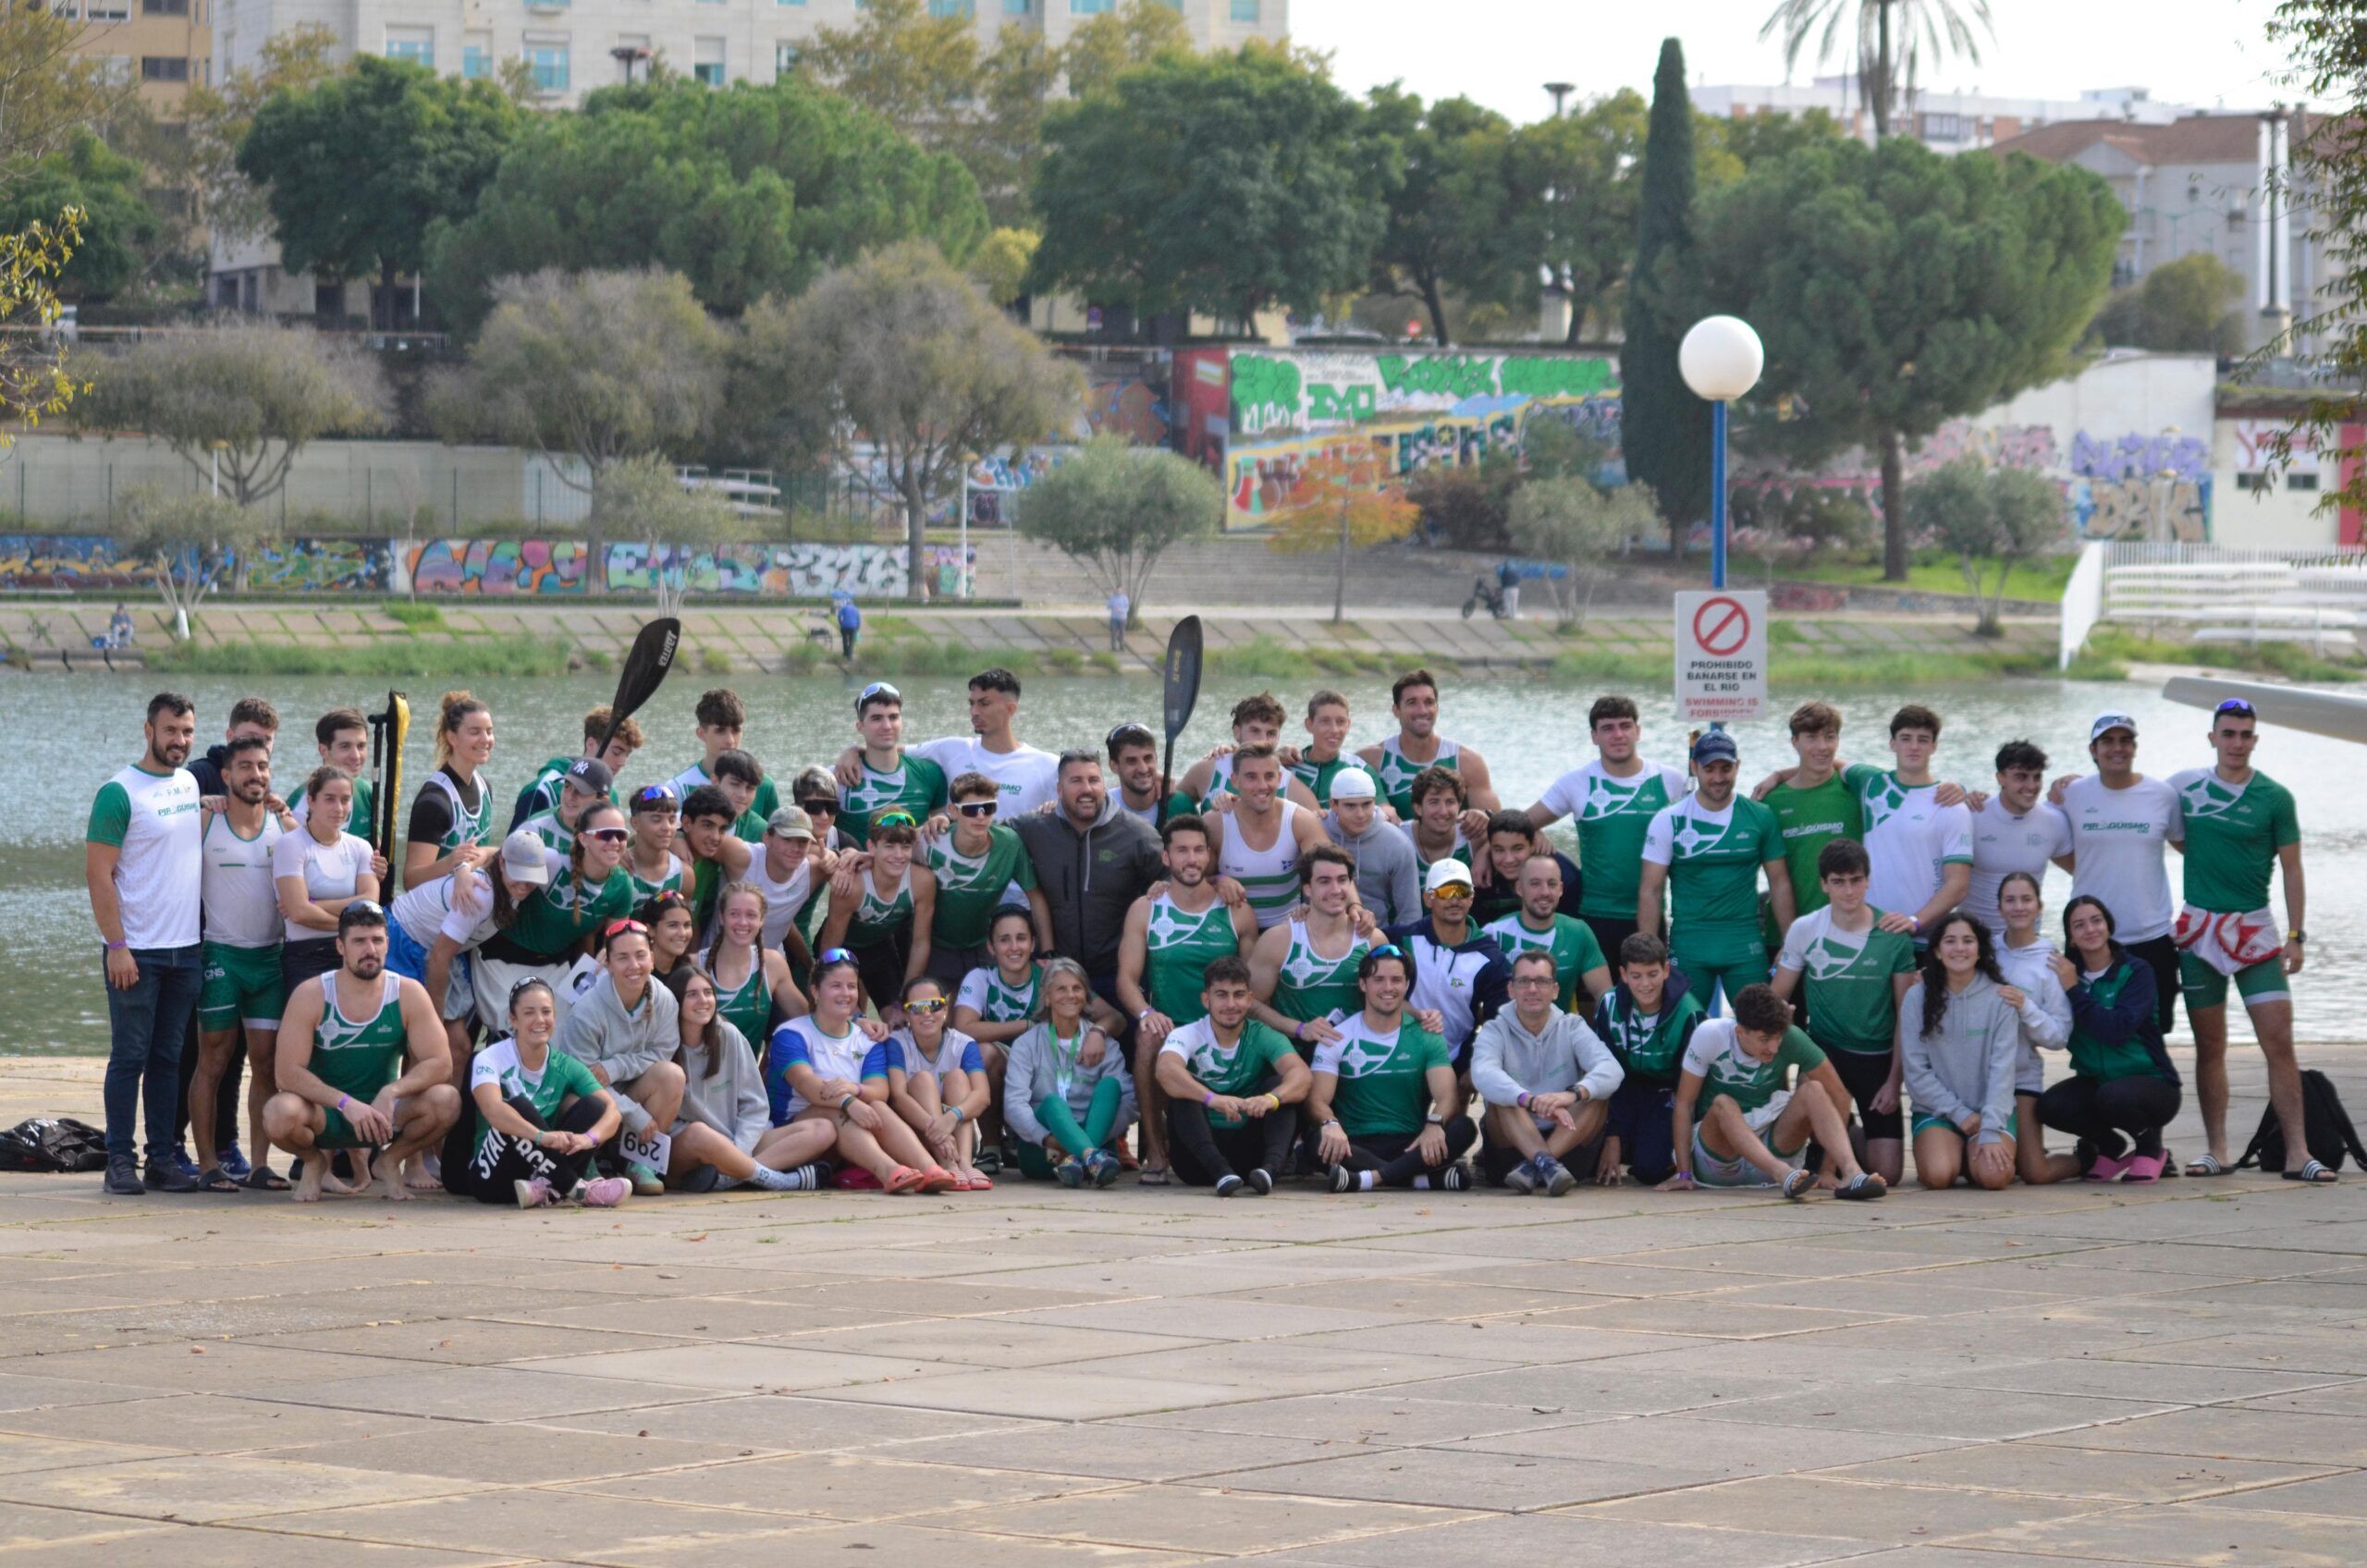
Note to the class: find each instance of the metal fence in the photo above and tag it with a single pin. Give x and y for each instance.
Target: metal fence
(2213, 593)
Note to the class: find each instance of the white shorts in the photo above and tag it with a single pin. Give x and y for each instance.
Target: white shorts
(1716, 1170)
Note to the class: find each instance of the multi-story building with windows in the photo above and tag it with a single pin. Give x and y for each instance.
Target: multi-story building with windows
(164, 45)
(575, 46)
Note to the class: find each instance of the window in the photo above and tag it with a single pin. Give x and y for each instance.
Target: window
(1018, 7)
(1090, 8)
(164, 67)
(66, 10)
(2253, 480)
(707, 63)
(1245, 11)
(416, 44)
(784, 58)
(2301, 480)
(1943, 128)
(476, 57)
(952, 8)
(547, 62)
(107, 11)
(163, 7)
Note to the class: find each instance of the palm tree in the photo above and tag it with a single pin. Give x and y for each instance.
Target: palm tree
(1890, 48)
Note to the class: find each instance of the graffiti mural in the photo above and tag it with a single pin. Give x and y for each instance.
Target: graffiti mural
(998, 480)
(1129, 401)
(2138, 456)
(501, 567)
(81, 562)
(2002, 446)
(2159, 511)
(770, 571)
(314, 566)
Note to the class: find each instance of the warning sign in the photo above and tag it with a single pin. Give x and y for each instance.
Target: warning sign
(1721, 655)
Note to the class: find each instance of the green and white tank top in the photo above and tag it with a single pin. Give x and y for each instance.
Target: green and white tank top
(677, 880)
(1397, 772)
(747, 1007)
(1316, 987)
(468, 826)
(1179, 947)
(1269, 876)
(358, 1057)
(995, 999)
(876, 919)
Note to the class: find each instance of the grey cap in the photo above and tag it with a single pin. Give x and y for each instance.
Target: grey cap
(790, 822)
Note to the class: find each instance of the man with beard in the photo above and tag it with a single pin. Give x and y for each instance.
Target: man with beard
(1385, 1107)
(1418, 746)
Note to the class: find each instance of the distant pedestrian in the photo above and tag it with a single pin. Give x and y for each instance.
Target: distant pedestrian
(1120, 608)
(849, 627)
(119, 633)
(1508, 579)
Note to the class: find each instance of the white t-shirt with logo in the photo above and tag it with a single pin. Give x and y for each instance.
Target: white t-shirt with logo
(1029, 776)
(2004, 843)
(155, 820)
(1910, 837)
(2117, 838)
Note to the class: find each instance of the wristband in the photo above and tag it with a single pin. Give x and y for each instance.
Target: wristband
(1298, 1030)
(1521, 1099)
(343, 1104)
(957, 1116)
(1275, 1100)
(846, 1102)
(1333, 1122)
(1145, 1013)
(117, 946)
(1209, 1097)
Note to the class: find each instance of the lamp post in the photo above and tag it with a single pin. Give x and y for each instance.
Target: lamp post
(1719, 359)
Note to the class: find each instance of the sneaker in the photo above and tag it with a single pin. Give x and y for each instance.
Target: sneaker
(1262, 1183)
(606, 1192)
(1104, 1166)
(1558, 1178)
(705, 1179)
(1523, 1177)
(1228, 1184)
(990, 1160)
(123, 1177)
(1070, 1173)
(231, 1160)
(1343, 1178)
(170, 1176)
(183, 1162)
(1455, 1178)
(536, 1193)
(644, 1181)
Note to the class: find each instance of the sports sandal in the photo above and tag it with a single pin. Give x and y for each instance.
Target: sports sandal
(1152, 1176)
(1866, 1186)
(213, 1179)
(904, 1179)
(1800, 1185)
(2314, 1172)
(2144, 1168)
(264, 1179)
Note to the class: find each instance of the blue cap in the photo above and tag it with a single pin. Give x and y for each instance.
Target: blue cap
(1716, 746)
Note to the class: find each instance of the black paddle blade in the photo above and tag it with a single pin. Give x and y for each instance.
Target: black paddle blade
(644, 671)
(1183, 674)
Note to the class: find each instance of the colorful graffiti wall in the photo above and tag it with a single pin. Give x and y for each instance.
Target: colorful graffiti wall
(765, 571)
(1286, 410)
(320, 566)
(78, 563)
(501, 569)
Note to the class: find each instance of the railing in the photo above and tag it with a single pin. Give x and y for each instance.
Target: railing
(2213, 593)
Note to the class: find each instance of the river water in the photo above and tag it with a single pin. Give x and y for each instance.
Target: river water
(68, 733)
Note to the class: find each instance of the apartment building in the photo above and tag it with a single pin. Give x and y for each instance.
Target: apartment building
(1945, 122)
(165, 46)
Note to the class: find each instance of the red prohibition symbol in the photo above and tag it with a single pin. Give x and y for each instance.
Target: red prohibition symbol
(1720, 626)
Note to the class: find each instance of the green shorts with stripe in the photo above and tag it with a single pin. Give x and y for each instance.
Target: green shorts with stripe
(2206, 987)
(242, 986)
(1923, 1123)
(336, 1132)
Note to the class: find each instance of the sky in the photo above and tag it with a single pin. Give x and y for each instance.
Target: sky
(2207, 53)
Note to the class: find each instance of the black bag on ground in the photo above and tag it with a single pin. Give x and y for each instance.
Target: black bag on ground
(52, 1143)
(2324, 1122)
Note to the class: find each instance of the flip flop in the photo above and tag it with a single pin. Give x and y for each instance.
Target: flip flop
(213, 1179)
(2106, 1168)
(1867, 1186)
(1800, 1185)
(980, 1182)
(904, 1179)
(2144, 1168)
(2314, 1172)
(263, 1179)
(936, 1178)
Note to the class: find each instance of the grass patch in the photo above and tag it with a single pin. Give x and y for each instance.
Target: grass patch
(457, 657)
(714, 661)
(417, 616)
(1936, 572)
(1267, 658)
(1818, 671)
(2113, 647)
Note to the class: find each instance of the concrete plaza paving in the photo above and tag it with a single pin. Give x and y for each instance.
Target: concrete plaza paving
(2172, 1375)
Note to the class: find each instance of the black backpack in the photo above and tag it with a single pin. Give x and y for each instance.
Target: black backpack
(2325, 1124)
(52, 1143)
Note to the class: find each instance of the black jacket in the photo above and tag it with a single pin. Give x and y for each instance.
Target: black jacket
(1091, 876)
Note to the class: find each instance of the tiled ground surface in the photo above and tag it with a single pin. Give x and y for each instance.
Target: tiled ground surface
(2076, 1375)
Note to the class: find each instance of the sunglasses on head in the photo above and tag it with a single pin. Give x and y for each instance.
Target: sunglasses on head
(926, 1005)
(877, 689)
(608, 835)
(834, 955)
(976, 808)
(1130, 733)
(2237, 706)
(895, 818)
(623, 928)
(655, 795)
(368, 906)
(1387, 950)
(522, 986)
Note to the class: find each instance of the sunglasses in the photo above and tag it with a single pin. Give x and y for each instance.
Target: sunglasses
(877, 689)
(833, 955)
(976, 808)
(522, 986)
(656, 795)
(623, 928)
(609, 835)
(819, 807)
(2237, 706)
(367, 906)
(1139, 733)
(1387, 950)
(895, 818)
(1452, 890)
(925, 1005)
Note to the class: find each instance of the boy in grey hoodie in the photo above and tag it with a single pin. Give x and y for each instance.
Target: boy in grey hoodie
(1547, 1079)
(1389, 877)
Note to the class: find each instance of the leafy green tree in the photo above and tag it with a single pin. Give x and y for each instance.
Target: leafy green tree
(238, 400)
(1106, 47)
(197, 152)
(1223, 183)
(1987, 516)
(52, 93)
(1728, 146)
(600, 366)
(1889, 39)
(118, 224)
(433, 143)
(1004, 140)
(1664, 428)
(1895, 288)
(1583, 528)
(1446, 217)
(897, 371)
(917, 71)
(1000, 265)
(1572, 206)
(34, 377)
(2182, 307)
(746, 190)
(1115, 508)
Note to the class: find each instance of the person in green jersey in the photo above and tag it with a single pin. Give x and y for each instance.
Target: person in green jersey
(892, 777)
(1232, 1088)
(1753, 1130)
(1813, 806)
(1539, 926)
(717, 855)
(2123, 1089)
(1324, 757)
(651, 861)
(1441, 824)
(978, 866)
(543, 791)
(1611, 801)
(1172, 935)
(342, 737)
(537, 1117)
(721, 722)
(1384, 1105)
(586, 783)
(1852, 964)
(1133, 751)
(1646, 1022)
(1709, 850)
(884, 910)
(1304, 970)
(451, 820)
(362, 1063)
(1418, 746)
(588, 887)
(742, 778)
(1508, 845)
(753, 984)
(2240, 825)
(1257, 721)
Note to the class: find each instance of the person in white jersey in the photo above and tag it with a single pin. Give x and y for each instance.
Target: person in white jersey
(243, 991)
(2013, 830)
(1029, 778)
(2121, 823)
(143, 862)
(1921, 851)
(783, 871)
(1259, 841)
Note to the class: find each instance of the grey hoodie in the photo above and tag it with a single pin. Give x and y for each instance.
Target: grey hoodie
(599, 1033)
(1968, 1065)
(1034, 1072)
(1389, 877)
(1508, 1062)
(734, 1101)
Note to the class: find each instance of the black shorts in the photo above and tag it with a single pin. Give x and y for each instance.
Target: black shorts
(1642, 1118)
(1863, 1074)
(1609, 932)
(881, 966)
(2161, 955)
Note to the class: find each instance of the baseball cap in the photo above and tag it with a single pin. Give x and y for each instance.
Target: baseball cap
(790, 822)
(1716, 745)
(521, 857)
(590, 775)
(1447, 874)
(1354, 784)
(2109, 721)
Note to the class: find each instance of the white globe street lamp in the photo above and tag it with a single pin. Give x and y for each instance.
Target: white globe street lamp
(1719, 359)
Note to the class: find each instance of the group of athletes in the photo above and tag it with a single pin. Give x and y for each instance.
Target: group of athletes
(932, 964)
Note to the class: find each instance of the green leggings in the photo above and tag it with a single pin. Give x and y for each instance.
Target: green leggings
(1053, 1111)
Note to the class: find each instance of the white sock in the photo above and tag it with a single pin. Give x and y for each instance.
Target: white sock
(1421, 1183)
(798, 1181)
(1365, 1181)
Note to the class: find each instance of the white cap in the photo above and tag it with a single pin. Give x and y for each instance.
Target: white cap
(1444, 872)
(2107, 722)
(1353, 784)
(523, 858)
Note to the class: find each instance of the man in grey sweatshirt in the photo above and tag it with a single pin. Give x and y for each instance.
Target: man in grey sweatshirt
(1547, 1079)
(1389, 877)
(626, 1030)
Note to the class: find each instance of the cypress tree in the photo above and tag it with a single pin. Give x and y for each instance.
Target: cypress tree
(1664, 428)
